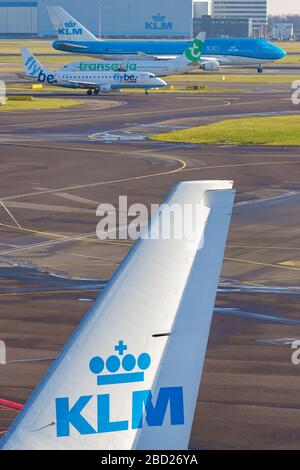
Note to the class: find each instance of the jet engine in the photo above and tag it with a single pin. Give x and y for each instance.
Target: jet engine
(210, 66)
(105, 88)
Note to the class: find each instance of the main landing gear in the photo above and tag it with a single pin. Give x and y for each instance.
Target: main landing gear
(90, 92)
(146, 92)
(260, 69)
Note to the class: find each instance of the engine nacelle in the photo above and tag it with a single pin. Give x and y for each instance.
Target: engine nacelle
(210, 66)
(105, 88)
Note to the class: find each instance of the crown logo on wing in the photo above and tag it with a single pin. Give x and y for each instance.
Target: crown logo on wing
(121, 368)
(159, 17)
(70, 24)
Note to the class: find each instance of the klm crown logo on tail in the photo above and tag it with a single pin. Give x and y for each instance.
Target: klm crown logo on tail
(70, 29)
(118, 370)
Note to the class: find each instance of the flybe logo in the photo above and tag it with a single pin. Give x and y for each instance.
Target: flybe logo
(125, 78)
(35, 70)
(117, 371)
(70, 29)
(159, 23)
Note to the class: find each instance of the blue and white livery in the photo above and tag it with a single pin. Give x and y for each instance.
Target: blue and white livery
(90, 80)
(74, 37)
(129, 376)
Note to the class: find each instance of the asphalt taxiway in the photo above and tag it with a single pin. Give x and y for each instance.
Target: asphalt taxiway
(57, 166)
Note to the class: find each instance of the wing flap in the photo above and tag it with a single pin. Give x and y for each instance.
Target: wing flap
(80, 83)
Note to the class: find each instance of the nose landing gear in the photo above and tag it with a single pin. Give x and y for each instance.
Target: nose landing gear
(146, 92)
(260, 69)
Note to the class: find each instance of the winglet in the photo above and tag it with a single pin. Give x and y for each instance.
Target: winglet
(129, 376)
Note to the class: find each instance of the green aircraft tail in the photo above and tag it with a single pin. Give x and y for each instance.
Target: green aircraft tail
(194, 51)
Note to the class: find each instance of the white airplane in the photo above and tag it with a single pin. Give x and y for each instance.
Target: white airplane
(184, 63)
(128, 378)
(92, 81)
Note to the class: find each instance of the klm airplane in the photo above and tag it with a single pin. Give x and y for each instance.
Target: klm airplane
(184, 63)
(74, 37)
(128, 377)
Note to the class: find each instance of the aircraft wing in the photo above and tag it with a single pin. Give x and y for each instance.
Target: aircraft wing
(128, 378)
(80, 83)
(223, 60)
(208, 59)
(76, 47)
(143, 55)
(26, 77)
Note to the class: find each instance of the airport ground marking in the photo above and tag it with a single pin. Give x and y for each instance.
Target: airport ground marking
(182, 165)
(260, 263)
(56, 292)
(183, 168)
(266, 247)
(215, 167)
(159, 112)
(119, 115)
(65, 239)
(279, 279)
(62, 239)
(10, 214)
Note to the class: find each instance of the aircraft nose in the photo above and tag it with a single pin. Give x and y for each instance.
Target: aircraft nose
(162, 82)
(279, 53)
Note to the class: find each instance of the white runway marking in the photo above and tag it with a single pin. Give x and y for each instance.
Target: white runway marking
(10, 214)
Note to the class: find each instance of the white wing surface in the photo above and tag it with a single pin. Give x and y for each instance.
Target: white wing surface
(129, 376)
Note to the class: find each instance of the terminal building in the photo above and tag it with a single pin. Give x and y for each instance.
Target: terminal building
(254, 10)
(223, 27)
(283, 31)
(108, 18)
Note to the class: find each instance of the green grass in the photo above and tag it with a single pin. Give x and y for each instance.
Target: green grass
(289, 46)
(221, 77)
(37, 103)
(267, 131)
(53, 59)
(12, 46)
(210, 89)
(290, 60)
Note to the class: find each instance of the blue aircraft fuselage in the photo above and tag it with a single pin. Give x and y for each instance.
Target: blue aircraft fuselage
(258, 50)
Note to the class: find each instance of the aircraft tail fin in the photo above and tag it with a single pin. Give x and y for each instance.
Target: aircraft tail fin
(194, 51)
(128, 377)
(33, 67)
(67, 27)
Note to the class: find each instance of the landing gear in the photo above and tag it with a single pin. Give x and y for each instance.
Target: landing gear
(146, 92)
(96, 92)
(89, 92)
(260, 69)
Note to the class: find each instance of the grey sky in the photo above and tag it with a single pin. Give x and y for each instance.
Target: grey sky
(284, 6)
